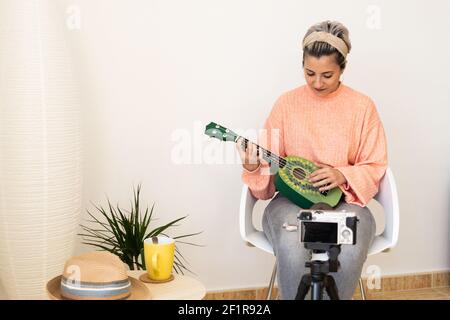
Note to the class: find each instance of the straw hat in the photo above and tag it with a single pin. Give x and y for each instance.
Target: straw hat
(96, 276)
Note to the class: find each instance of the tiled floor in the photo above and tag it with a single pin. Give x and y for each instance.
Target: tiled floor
(416, 294)
(419, 286)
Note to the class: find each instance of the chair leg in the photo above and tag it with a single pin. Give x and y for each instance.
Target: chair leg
(361, 288)
(272, 281)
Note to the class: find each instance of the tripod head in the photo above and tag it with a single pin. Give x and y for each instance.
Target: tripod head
(327, 252)
(324, 260)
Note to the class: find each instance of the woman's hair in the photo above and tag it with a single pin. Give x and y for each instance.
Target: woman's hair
(319, 48)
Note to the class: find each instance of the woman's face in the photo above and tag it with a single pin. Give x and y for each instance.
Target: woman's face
(322, 74)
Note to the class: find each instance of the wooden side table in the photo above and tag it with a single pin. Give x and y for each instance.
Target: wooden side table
(180, 288)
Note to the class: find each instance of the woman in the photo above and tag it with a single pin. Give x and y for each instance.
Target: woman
(339, 129)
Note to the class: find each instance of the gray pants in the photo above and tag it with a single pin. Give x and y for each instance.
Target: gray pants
(291, 255)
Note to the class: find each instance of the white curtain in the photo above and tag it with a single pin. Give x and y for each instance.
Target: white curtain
(40, 147)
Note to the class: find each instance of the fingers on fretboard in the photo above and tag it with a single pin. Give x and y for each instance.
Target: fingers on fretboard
(244, 144)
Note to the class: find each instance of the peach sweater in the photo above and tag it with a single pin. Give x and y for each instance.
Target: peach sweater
(342, 129)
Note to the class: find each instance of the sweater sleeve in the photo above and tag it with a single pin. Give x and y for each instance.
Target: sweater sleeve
(363, 177)
(261, 180)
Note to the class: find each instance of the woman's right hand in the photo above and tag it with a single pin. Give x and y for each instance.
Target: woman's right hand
(250, 161)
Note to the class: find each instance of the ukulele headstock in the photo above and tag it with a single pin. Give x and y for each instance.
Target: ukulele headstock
(217, 131)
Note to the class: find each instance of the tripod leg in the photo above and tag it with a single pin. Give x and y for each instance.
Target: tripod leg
(303, 287)
(330, 286)
(316, 290)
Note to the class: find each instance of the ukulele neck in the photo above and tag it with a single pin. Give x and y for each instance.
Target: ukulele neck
(266, 154)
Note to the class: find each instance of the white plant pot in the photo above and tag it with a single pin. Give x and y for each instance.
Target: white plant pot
(40, 148)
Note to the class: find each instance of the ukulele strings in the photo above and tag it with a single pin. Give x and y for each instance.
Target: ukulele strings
(278, 160)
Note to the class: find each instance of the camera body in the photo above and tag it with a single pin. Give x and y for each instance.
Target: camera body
(327, 227)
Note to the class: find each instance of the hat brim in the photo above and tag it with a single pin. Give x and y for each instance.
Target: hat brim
(139, 291)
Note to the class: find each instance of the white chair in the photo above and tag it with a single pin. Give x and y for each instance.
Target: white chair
(387, 197)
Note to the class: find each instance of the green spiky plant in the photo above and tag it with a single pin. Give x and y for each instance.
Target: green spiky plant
(123, 233)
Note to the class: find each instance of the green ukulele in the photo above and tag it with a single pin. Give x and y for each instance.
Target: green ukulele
(292, 176)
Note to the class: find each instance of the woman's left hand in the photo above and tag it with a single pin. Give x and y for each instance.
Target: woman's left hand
(326, 177)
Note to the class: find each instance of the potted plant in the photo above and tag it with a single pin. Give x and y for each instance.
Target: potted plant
(123, 233)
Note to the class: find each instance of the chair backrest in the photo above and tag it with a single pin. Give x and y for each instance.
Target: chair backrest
(388, 198)
(246, 213)
(248, 232)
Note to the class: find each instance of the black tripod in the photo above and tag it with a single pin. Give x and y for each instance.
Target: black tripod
(319, 277)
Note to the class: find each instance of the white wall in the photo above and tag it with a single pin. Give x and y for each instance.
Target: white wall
(151, 68)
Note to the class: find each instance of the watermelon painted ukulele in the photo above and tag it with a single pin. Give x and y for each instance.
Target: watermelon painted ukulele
(292, 176)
